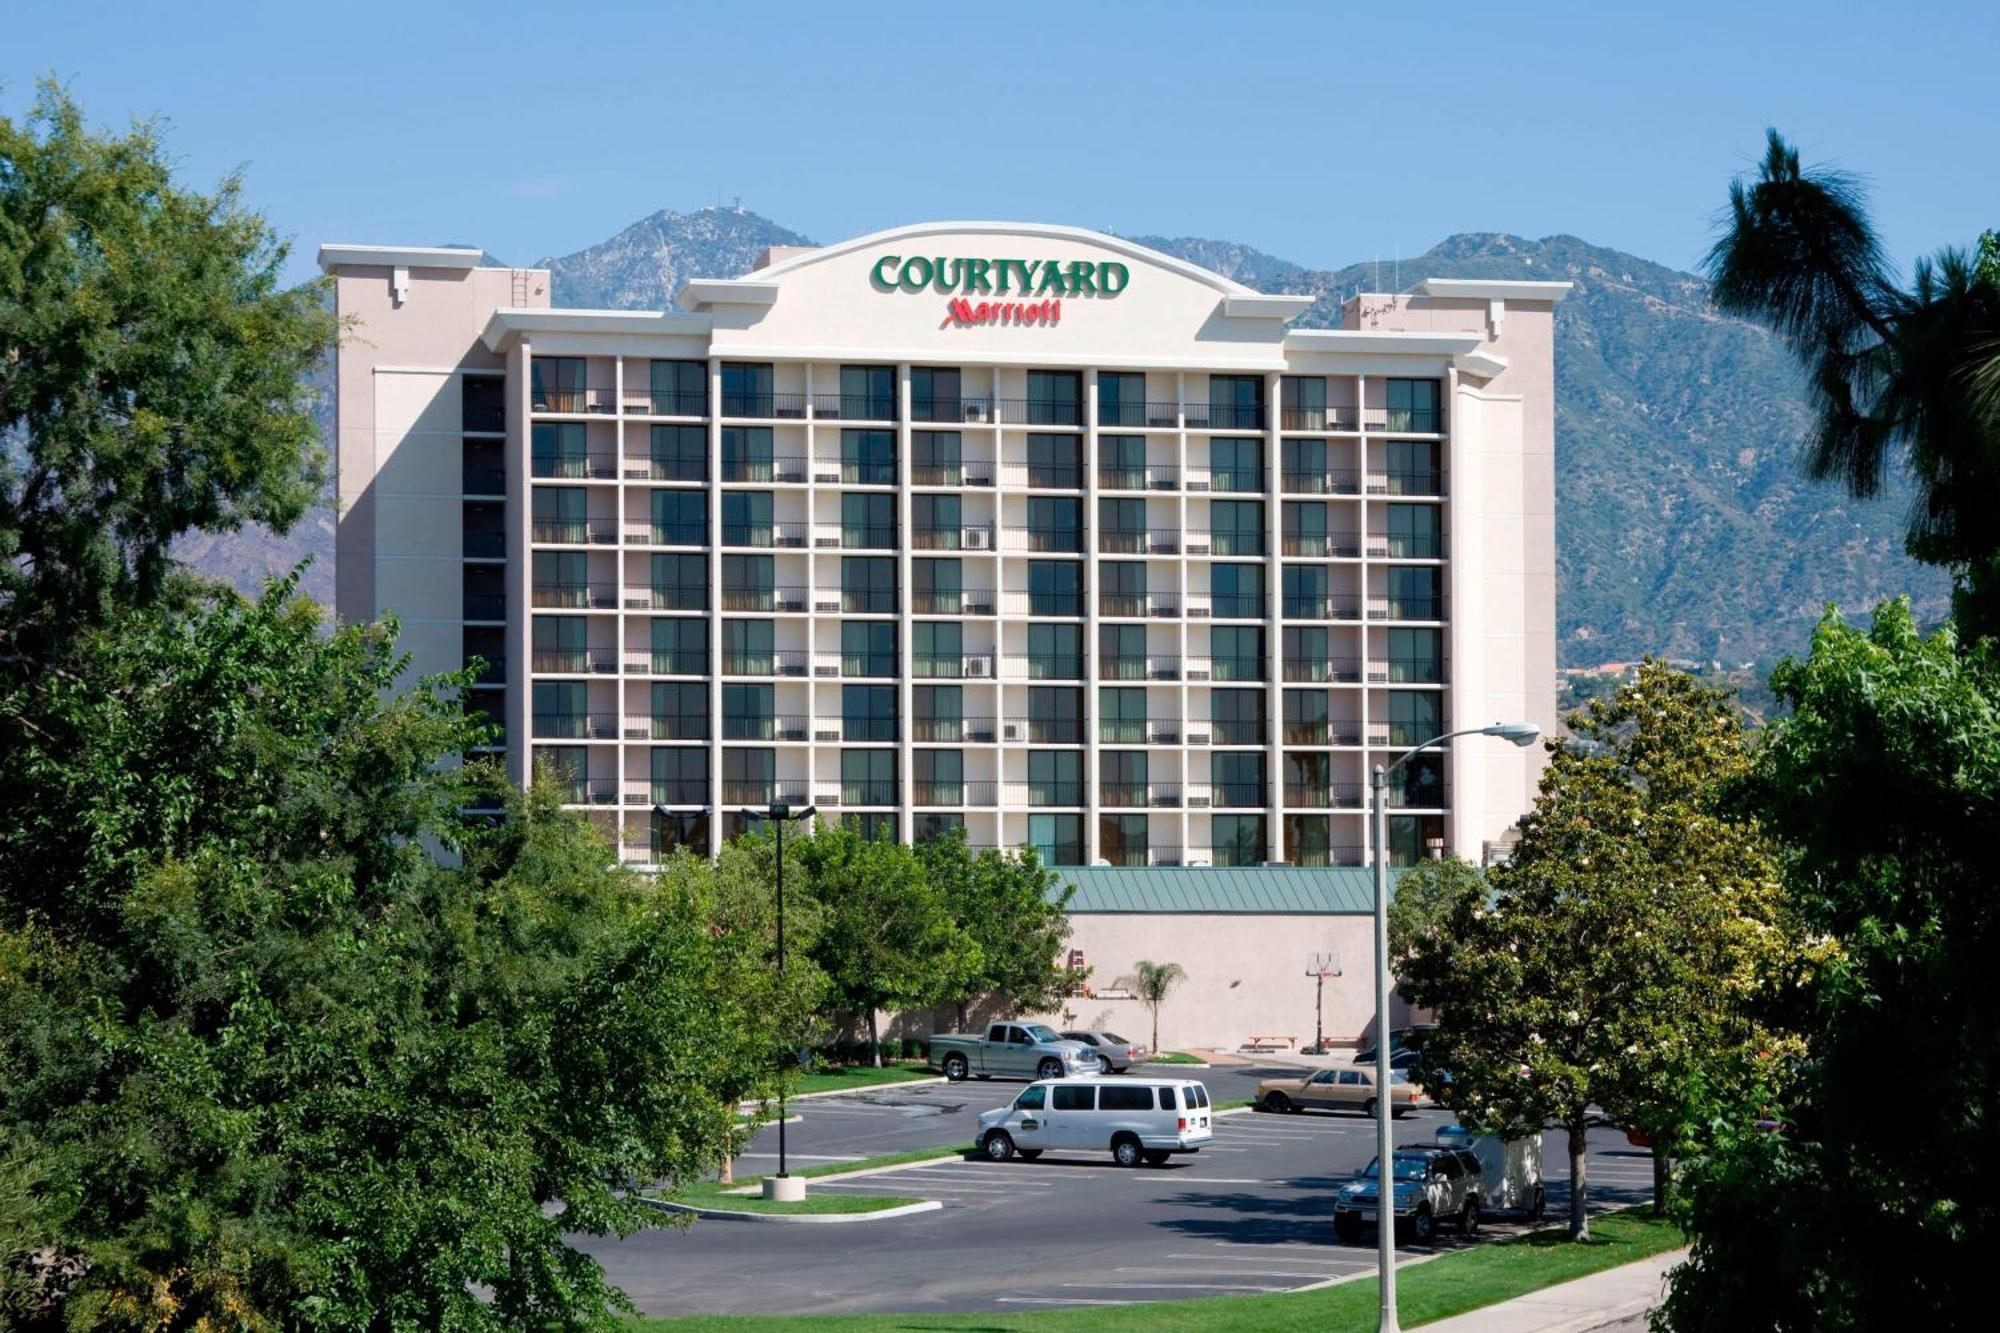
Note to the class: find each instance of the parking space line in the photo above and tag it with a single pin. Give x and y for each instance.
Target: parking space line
(1234, 1272)
(1059, 1300)
(1177, 1286)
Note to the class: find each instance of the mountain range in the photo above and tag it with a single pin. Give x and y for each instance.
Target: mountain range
(1684, 526)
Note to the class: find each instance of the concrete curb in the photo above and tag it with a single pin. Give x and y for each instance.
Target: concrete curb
(898, 1166)
(732, 1215)
(849, 1092)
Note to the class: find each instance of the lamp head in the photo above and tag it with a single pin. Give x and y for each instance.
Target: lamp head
(780, 811)
(1521, 733)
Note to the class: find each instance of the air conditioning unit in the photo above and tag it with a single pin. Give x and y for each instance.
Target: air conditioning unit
(979, 668)
(979, 608)
(825, 604)
(978, 412)
(1197, 802)
(1197, 738)
(978, 539)
(831, 672)
(1011, 731)
(827, 734)
(827, 799)
(1198, 546)
(1197, 673)
(1166, 738)
(827, 543)
(1197, 484)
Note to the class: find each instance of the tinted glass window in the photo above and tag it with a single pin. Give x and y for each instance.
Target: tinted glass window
(1199, 1094)
(1032, 1100)
(1168, 1101)
(1072, 1098)
(1125, 1099)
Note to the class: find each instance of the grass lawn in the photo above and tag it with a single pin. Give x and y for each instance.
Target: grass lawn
(839, 1078)
(1443, 1287)
(1175, 1058)
(709, 1194)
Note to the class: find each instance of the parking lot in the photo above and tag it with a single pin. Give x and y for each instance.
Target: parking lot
(1252, 1213)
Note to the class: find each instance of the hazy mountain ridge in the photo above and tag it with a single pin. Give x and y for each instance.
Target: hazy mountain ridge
(1684, 526)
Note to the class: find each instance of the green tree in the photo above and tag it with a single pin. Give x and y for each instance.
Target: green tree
(274, 1062)
(1014, 909)
(1876, 1201)
(1153, 982)
(886, 938)
(153, 374)
(1890, 373)
(1613, 962)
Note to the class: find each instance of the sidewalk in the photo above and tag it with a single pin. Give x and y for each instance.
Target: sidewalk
(1615, 1295)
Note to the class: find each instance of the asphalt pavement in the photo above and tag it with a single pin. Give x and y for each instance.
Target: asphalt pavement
(1252, 1213)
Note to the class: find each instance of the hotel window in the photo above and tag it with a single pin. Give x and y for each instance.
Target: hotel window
(569, 766)
(680, 388)
(937, 649)
(1121, 462)
(1415, 592)
(931, 825)
(936, 522)
(1305, 592)
(1121, 777)
(1057, 839)
(1308, 655)
(561, 514)
(1055, 715)
(868, 712)
(555, 383)
(935, 395)
(1414, 838)
(747, 453)
(749, 712)
(1236, 402)
(1238, 778)
(1055, 652)
(1236, 465)
(746, 518)
(680, 453)
(868, 585)
(868, 457)
(1304, 402)
(1309, 840)
(1238, 840)
(1414, 532)
(868, 521)
(1307, 467)
(868, 777)
(748, 581)
(562, 645)
(867, 648)
(1121, 399)
(1416, 657)
(558, 450)
(746, 389)
(1236, 527)
(1308, 778)
(1420, 782)
(1121, 716)
(1237, 591)
(868, 393)
(1055, 523)
(937, 587)
(1121, 840)
(1415, 716)
(1055, 462)
(676, 829)
(680, 518)
(562, 709)
(1055, 398)
(1121, 652)
(1055, 777)
(482, 403)
(1412, 467)
(1306, 718)
(936, 458)
(680, 776)
(939, 776)
(1121, 588)
(1305, 528)
(1055, 588)
(680, 647)
(1121, 526)
(1236, 652)
(1413, 405)
(747, 648)
(749, 776)
(1237, 716)
(561, 578)
(939, 713)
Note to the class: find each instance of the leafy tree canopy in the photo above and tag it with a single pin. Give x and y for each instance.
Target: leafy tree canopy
(1013, 909)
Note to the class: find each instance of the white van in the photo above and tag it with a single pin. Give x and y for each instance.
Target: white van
(1511, 1168)
(1138, 1121)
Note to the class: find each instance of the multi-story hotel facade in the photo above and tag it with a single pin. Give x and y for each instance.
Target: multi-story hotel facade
(1016, 527)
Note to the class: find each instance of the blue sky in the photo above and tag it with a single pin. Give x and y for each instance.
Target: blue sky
(1323, 133)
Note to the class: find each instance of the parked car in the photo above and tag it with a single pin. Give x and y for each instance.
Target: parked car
(1023, 1050)
(1401, 1039)
(1428, 1186)
(1336, 1090)
(1114, 1054)
(1142, 1121)
(1510, 1169)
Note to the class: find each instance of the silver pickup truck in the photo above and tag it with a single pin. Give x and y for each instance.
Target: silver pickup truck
(1011, 1050)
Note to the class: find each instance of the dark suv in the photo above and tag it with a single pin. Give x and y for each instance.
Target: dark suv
(1430, 1185)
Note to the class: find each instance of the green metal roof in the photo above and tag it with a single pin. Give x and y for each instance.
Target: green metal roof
(1251, 890)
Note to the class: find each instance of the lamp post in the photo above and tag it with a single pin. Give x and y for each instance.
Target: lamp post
(1520, 733)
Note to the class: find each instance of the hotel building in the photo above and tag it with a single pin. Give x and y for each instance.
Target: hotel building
(1021, 528)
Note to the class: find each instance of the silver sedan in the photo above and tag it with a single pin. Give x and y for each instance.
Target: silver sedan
(1114, 1054)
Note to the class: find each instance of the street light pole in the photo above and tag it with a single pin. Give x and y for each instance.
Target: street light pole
(782, 1186)
(1520, 733)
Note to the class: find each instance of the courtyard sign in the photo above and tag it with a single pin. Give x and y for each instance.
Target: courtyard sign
(1001, 277)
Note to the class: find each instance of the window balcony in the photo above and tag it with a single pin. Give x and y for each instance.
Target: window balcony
(1229, 481)
(1317, 670)
(959, 410)
(571, 402)
(859, 601)
(1225, 416)
(786, 727)
(1125, 606)
(1323, 796)
(1235, 731)
(1226, 668)
(1319, 418)
(1405, 420)
(1041, 412)
(683, 535)
(574, 532)
(854, 407)
(1059, 794)
(591, 466)
(860, 666)
(1139, 541)
(1325, 607)
(574, 662)
(1151, 477)
(971, 472)
(764, 406)
(1229, 543)
(787, 469)
(484, 606)
(1421, 546)
(1063, 541)
(575, 727)
(971, 537)
(1429, 483)
(647, 402)
(1043, 730)
(1327, 731)
(1045, 666)
(1407, 608)
(1044, 604)
(492, 671)
(1234, 606)
(1138, 416)
(762, 793)
(953, 730)
(485, 545)
(666, 727)
(1409, 793)
(1331, 482)
(1323, 857)
(666, 664)
(949, 795)
(1230, 795)
(786, 662)
(1407, 671)
(575, 596)
(666, 469)
(867, 794)
(838, 537)
(765, 536)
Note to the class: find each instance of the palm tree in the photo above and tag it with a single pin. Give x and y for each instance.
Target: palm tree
(1151, 982)
(1892, 376)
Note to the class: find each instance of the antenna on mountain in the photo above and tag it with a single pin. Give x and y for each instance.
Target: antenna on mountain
(736, 202)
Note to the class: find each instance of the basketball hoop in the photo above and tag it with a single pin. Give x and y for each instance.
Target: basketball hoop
(1320, 966)
(1323, 964)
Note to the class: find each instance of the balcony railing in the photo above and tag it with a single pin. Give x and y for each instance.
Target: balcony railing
(867, 793)
(1320, 857)
(1116, 668)
(1225, 668)
(761, 793)
(575, 596)
(952, 601)
(1056, 793)
(1407, 671)
(596, 465)
(1151, 477)
(960, 409)
(1319, 418)
(765, 536)
(1063, 540)
(1322, 607)
(1125, 605)
(970, 537)
(785, 727)
(570, 402)
(858, 601)
(1322, 795)
(787, 598)
(1230, 795)
(859, 665)
(1041, 476)
(1233, 605)
(574, 662)
(1328, 731)
(1407, 608)
(667, 534)
(1429, 482)
(1233, 481)
(666, 469)
(674, 663)
(1039, 604)
(776, 662)
(666, 402)
(1234, 731)
(1225, 416)
(1423, 546)
(675, 791)
(666, 727)
(1408, 794)
(854, 407)
(786, 468)
(1405, 420)
(1331, 482)
(1045, 666)
(975, 795)
(765, 406)
(575, 532)
(953, 730)
(1041, 412)
(1320, 670)
(971, 472)
(1043, 730)
(834, 536)
(1139, 541)
(575, 726)
(1137, 416)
